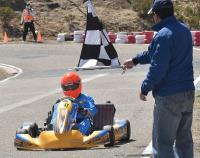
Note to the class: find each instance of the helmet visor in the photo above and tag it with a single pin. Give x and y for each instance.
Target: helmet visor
(70, 86)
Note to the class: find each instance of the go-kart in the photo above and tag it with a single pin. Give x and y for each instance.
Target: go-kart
(106, 131)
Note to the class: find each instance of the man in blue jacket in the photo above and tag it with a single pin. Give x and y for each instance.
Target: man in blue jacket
(72, 86)
(170, 78)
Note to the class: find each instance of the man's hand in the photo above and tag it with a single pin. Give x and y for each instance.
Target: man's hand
(143, 97)
(128, 64)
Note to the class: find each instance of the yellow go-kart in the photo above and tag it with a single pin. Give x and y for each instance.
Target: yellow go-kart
(106, 130)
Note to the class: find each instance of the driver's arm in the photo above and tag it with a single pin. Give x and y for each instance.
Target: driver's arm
(90, 106)
(54, 115)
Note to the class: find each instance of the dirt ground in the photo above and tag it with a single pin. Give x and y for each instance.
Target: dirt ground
(196, 126)
(3, 74)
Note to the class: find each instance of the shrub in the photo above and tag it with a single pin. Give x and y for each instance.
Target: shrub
(6, 15)
(141, 6)
(6, 3)
(187, 12)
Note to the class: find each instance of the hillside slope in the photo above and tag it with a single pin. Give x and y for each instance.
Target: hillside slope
(54, 16)
(117, 15)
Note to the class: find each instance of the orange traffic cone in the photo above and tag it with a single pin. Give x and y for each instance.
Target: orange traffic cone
(39, 37)
(5, 38)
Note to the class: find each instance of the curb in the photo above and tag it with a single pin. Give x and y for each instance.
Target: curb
(11, 70)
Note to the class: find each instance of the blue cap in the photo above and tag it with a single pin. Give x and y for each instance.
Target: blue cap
(159, 4)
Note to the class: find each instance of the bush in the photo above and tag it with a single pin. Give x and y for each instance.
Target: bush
(6, 15)
(141, 6)
(6, 3)
(187, 12)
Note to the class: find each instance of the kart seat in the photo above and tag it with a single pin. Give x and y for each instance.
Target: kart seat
(105, 115)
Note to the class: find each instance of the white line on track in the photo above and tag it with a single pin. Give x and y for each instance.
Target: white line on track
(18, 71)
(148, 150)
(39, 97)
(197, 80)
(198, 49)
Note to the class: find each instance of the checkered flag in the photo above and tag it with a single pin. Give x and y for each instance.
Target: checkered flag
(97, 49)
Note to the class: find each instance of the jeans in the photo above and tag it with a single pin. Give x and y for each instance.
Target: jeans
(172, 125)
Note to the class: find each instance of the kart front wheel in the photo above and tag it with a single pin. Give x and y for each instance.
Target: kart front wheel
(128, 131)
(29, 128)
(110, 129)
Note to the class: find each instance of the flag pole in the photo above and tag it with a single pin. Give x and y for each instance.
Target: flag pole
(73, 3)
(97, 68)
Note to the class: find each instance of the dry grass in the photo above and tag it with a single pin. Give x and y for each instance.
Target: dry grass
(124, 19)
(196, 126)
(117, 15)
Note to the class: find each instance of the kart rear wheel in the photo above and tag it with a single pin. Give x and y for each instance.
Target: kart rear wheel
(128, 131)
(110, 129)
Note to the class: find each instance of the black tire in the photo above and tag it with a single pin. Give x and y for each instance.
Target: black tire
(128, 132)
(110, 129)
(31, 129)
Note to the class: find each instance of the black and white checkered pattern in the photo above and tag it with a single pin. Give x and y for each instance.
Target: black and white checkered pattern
(97, 49)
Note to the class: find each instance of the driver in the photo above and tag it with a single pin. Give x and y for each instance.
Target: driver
(72, 86)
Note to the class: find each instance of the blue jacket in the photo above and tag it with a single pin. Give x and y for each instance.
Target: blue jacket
(84, 101)
(170, 58)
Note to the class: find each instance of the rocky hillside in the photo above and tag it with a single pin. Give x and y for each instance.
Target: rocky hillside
(54, 16)
(63, 16)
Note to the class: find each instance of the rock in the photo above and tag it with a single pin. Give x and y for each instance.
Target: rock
(53, 5)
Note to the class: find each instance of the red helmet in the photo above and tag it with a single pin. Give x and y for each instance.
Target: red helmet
(71, 84)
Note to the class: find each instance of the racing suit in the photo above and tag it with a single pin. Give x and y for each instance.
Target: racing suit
(83, 122)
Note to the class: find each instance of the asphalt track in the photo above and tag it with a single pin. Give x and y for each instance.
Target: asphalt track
(30, 96)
